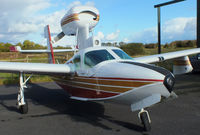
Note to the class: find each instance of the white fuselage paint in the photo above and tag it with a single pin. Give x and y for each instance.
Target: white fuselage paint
(117, 70)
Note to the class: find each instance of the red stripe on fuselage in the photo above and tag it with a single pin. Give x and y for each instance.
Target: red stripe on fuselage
(85, 93)
(128, 79)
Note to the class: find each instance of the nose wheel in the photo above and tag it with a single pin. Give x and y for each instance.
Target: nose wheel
(145, 119)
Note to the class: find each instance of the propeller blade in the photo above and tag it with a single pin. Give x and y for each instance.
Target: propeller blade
(59, 36)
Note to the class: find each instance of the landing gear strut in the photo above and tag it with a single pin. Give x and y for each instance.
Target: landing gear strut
(21, 103)
(145, 119)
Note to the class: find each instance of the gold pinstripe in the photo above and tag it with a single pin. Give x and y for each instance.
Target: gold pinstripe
(100, 84)
(181, 62)
(69, 19)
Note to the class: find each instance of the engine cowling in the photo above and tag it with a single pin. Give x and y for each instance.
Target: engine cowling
(79, 17)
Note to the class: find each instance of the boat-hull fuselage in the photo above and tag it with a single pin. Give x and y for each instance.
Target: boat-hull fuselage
(122, 82)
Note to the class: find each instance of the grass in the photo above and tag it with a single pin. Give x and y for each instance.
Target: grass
(164, 50)
(40, 78)
(13, 78)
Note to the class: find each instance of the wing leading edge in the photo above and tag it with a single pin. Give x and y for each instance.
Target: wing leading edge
(36, 68)
(166, 56)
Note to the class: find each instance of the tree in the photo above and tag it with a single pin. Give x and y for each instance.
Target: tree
(28, 44)
(19, 44)
(115, 44)
(190, 43)
(166, 45)
(109, 44)
(151, 45)
(5, 47)
(121, 43)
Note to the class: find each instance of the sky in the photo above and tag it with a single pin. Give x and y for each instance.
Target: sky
(120, 20)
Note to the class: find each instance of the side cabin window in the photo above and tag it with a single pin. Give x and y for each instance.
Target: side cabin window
(121, 54)
(77, 62)
(95, 57)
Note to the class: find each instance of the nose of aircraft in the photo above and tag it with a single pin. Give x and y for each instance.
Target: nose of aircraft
(169, 82)
(137, 71)
(169, 79)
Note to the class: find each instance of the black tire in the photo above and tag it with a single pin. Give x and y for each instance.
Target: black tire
(145, 121)
(24, 108)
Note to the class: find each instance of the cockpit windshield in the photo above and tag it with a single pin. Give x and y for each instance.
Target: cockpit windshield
(121, 54)
(94, 57)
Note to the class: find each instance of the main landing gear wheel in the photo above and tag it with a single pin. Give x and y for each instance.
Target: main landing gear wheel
(24, 108)
(21, 102)
(145, 119)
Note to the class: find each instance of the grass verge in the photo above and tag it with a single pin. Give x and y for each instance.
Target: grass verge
(12, 78)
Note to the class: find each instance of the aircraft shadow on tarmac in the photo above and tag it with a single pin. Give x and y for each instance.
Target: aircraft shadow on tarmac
(8, 97)
(58, 100)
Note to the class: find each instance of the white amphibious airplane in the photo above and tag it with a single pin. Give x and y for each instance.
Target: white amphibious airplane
(97, 73)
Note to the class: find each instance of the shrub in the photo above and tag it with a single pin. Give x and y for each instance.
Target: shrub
(151, 45)
(184, 43)
(133, 48)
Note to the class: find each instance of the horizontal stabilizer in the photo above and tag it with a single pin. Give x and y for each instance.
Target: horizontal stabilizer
(18, 49)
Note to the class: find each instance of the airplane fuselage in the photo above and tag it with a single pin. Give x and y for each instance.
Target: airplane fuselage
(108, 73)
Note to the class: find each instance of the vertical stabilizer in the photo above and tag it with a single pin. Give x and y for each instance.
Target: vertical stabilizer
(49, 44)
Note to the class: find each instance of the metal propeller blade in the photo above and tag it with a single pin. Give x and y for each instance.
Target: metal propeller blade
(59, 36)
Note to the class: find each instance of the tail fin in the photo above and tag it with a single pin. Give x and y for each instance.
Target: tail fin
(49, 44)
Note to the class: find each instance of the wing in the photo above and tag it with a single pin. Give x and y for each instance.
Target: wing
(37, 68)
(166, 56)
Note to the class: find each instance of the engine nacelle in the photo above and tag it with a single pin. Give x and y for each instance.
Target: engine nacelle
(79, 17)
